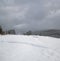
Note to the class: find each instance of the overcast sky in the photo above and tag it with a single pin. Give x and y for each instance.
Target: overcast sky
(30, 14)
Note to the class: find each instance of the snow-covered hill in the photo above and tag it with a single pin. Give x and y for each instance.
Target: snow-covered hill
(29, 48)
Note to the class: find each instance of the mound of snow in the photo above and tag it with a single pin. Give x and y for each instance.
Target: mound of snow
(29, 48)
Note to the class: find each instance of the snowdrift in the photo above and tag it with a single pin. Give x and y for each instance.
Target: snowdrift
(29, 48)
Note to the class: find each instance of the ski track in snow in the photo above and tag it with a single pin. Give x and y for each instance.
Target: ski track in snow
(46, 52)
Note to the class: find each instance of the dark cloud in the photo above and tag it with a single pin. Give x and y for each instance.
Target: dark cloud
(30, 14)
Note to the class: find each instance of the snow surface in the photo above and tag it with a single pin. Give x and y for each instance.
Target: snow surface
(29, 48)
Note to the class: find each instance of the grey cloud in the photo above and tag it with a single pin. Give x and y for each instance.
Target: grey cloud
(30, 14)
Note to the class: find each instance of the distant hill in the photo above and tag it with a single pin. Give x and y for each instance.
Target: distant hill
(50, 32)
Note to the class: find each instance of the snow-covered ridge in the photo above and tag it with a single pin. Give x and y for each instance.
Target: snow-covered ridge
(33, 47)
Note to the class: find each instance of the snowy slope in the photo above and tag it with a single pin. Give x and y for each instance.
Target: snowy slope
(29, 48)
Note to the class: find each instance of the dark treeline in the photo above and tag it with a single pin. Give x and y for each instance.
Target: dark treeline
(50, 32)
(6, 32)
(28, 33)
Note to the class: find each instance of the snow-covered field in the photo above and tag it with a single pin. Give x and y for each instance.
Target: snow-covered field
(29, 48)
